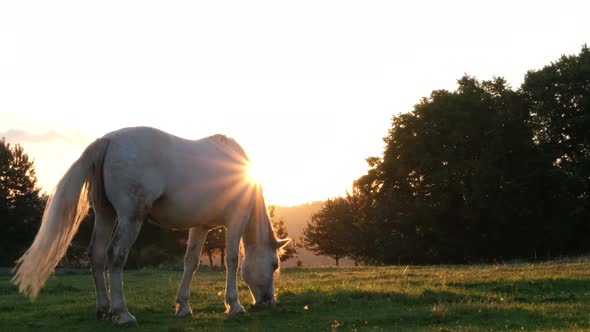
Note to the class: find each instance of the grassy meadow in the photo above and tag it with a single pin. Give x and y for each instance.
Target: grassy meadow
(553, 296)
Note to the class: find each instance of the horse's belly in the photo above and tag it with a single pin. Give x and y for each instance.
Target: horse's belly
(183, 214)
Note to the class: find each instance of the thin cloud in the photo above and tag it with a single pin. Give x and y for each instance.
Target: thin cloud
(18, 136)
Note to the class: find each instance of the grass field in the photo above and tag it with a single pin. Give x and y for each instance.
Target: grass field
(552, 296)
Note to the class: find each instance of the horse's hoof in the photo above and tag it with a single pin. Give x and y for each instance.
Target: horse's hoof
(124, 318)
(103, 314)
(235, 310)
(184, 312)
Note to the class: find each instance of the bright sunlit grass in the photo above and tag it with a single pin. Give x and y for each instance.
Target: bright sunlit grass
(552, 296)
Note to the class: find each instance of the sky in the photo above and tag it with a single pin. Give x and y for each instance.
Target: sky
(308, 88)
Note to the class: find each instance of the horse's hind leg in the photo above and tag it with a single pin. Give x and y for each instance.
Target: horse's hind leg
(125, 235)
(196, 238)
(104, 223)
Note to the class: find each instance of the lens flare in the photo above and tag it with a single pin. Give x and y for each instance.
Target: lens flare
(254, 173)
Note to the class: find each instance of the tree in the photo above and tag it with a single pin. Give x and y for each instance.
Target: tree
(460, 180)
(215, 243)
(278, 224)
(558, 97)
(330, 232)
(358, 221)
(21, 204)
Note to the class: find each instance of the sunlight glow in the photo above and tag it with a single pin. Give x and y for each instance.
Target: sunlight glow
(254, 173)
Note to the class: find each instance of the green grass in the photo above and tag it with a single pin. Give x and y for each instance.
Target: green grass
(551, 296)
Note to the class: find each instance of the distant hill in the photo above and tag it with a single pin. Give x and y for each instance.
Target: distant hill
(296, 217)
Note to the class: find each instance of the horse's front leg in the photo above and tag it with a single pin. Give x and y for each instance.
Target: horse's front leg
(196, 238)
(232, 304)
(125, 235)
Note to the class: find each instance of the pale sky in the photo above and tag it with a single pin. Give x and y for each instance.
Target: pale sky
(308, 88)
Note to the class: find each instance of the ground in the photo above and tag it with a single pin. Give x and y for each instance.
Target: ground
(551, 296)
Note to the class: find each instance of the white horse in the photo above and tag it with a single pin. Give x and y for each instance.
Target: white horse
(139, 174)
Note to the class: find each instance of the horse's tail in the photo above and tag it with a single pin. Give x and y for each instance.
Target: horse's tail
(65, 209)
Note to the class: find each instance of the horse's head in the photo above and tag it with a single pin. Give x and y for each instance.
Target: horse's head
(258, 267)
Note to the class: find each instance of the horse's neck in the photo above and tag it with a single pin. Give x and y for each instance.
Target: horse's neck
(258, 229)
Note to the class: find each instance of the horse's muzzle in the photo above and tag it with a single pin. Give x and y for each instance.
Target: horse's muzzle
(267, 300)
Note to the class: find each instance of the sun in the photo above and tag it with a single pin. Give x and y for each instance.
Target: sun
(254, 173)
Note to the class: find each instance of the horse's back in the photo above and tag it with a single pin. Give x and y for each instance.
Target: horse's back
(177, 182)
(131, 169)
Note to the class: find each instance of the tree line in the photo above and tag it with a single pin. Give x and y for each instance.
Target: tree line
(482, 173)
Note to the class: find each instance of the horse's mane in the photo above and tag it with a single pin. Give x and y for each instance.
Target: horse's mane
(259, 228)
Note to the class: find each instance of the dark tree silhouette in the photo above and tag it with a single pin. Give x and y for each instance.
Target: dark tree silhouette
(462, 180)
(331, 231)
(278, 224)
(558, 98)
(21, 204)
(215, 244)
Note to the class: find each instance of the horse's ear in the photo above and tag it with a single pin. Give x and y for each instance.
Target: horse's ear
(282, 242)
